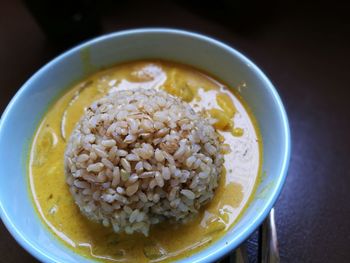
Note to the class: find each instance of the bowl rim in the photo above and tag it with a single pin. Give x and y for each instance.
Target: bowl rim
(268, 202)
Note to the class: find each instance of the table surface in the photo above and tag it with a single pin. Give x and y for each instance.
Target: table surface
(305, 50)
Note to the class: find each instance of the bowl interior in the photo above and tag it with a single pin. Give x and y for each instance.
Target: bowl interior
(23, 114)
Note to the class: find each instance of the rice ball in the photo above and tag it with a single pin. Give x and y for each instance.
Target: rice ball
(139, 157)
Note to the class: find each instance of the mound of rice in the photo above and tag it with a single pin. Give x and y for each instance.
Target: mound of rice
(139, 157)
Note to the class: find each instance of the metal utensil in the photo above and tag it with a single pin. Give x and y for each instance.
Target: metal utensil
(268, 244)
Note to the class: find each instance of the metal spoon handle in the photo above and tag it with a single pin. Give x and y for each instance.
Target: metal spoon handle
(269, 244)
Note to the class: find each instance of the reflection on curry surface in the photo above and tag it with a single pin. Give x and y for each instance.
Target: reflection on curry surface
(166, 241)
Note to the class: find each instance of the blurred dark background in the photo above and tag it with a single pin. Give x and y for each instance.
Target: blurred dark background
(303, 46)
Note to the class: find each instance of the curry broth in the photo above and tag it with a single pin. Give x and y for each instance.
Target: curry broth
(166, 241)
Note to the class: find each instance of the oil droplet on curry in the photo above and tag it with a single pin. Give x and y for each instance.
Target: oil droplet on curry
(167, 242)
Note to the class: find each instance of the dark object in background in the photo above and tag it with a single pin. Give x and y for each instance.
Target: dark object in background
(241, 16)
(66, 22)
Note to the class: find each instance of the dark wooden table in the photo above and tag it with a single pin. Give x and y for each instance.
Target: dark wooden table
(304, 49)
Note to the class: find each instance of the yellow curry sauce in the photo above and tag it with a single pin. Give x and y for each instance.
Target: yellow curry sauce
(166, 241)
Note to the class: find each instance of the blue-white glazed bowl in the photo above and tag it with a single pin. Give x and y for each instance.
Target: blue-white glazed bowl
(22, 116)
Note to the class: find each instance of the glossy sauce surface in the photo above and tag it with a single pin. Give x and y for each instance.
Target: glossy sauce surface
(166, 241)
